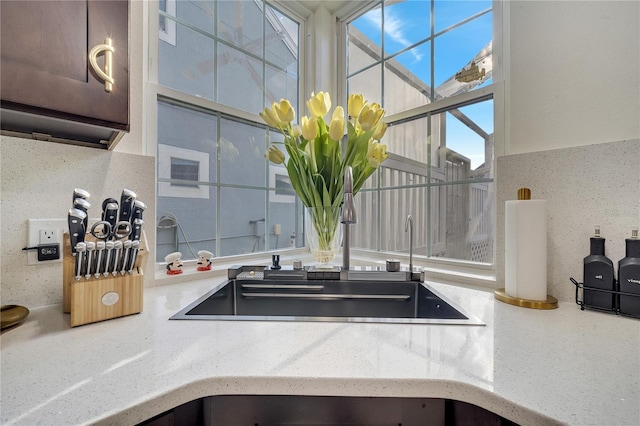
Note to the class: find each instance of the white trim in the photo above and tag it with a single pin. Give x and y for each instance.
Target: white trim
(165, 189)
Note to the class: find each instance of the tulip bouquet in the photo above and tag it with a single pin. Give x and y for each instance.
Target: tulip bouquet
(317, 159)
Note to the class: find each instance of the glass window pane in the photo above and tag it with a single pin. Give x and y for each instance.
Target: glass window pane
(367, 83)
(242, 221)
(242, 149)
(192, 133)
(465, 149)
(185, 225)
(464, 226)
(409, 201)
(455, 49)
(197, 13)
(240, 23)
(364, 234)
(365, 39)
(447, 12)
(188, 64)
(409, 140)
(239, 80)
(405, 23)
(285, 218)
(407, 80)
(281, 40)
(281, 85)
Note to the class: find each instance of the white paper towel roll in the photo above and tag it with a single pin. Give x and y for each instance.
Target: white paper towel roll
(526, 249)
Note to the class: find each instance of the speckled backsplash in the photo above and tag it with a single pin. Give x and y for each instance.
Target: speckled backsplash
(37, 182)
(583, 186)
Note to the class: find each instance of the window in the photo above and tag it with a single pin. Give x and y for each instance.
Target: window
(430, 63)
(225, 61)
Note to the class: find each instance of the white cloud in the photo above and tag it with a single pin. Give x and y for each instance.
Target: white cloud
(393, 28)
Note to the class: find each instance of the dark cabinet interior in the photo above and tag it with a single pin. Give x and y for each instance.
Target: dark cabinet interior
(48, 87)
(231, 410)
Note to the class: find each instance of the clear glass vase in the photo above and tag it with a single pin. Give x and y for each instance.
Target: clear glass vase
(323, 233)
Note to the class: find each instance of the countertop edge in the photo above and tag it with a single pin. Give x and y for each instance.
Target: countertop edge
(339, 387)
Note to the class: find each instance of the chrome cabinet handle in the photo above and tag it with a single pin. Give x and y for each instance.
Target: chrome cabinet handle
(106, 75)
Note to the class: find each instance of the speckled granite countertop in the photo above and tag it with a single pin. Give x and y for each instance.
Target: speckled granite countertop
(532, 367)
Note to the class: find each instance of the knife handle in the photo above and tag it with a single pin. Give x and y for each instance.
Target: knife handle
(100, 246)
(138, 209)
(91, 247)
(109, 257)
(83, 205)
(110, 214)
(80, 249)
(136, 232)
(127, 199)
(76, 219)
(80, 193)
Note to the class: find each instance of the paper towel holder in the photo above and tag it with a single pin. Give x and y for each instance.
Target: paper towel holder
(500, 294)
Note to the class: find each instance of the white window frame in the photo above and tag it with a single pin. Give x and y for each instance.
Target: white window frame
(500, 10)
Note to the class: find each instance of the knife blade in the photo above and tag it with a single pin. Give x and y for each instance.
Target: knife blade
(127, 199)
(75, 219)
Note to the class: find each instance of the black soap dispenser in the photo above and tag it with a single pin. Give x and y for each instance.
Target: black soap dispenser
(629, 276)
(598, 274)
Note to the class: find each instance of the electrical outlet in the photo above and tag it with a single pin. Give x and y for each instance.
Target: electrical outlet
(44, 231)
(49, 236)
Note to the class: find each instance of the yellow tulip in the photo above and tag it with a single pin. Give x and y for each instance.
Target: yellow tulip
(284, 110)
(309, 127)
(381, 128)
(275, 155)
(336, 128)
(376, 153)
(370, 116)
(319, 105)
(354, 105)
(296, 131)
(271, 118)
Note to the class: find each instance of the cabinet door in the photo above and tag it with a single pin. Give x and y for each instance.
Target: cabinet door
(44, 59)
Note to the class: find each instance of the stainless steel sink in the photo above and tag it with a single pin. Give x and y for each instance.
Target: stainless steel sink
(260, 299)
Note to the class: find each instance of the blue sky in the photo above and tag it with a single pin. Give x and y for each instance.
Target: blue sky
(407, 23)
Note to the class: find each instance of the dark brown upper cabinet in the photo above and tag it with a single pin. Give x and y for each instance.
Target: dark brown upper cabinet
(48, 86)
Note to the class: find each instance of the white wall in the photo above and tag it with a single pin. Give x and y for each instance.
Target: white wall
(574, 73)
(573, 127)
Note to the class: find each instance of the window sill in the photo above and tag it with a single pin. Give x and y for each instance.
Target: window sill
(450, 271)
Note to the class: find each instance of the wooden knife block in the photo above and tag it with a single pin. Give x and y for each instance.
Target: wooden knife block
(98, 299)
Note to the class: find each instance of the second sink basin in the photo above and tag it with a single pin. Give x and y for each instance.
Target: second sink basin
(326, 300)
